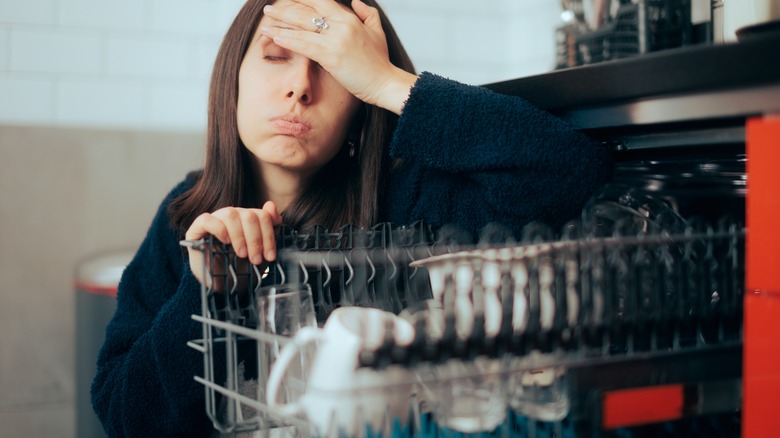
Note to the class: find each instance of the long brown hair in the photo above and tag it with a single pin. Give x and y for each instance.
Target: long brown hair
(347, 190)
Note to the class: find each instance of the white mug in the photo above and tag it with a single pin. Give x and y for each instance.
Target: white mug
(342, 398)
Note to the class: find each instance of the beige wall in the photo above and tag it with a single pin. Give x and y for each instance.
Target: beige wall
(66, 195)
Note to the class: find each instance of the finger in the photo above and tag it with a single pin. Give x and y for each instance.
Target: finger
(231, 217)
(252, 233)
(325, 8)
(267, 231)
(297, 16)
(270, 208)
(364, 11)
(205, 224)
(369, 16)
(304, 43)
(361, 10)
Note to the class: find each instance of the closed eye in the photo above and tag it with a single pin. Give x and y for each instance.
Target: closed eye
(270, 52)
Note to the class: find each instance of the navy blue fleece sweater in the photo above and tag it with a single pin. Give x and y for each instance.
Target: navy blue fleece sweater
(470, 157)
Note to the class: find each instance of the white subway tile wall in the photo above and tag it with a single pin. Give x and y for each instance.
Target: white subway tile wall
(101, 102)
(145, 64)
(531, 39)
(55, 51)
(203, 59)
(28, 12)
(102, 14)
(149, 57)
(5, 48)
(180, 104)
(478, 42)
(26, 100)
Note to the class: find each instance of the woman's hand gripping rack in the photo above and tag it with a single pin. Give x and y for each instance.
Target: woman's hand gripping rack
(514, 338)
(246, 312)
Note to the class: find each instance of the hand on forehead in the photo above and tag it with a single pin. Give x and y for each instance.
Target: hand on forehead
(298, 14)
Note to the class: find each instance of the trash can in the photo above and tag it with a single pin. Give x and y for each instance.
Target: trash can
(96, 284)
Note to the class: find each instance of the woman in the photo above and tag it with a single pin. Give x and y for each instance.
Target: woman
(304, 129)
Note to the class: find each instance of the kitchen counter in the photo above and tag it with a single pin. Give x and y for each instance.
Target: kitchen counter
(706, 81)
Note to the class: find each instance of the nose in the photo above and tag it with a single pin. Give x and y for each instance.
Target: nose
(302, 77)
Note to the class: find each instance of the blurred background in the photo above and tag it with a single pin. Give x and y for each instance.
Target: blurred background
(102, 111)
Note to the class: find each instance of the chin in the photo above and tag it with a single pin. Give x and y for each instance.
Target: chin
(291, 156)
(282, 155)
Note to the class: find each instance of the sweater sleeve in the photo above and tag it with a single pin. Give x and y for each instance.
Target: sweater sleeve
(472, 156)
(144, 383)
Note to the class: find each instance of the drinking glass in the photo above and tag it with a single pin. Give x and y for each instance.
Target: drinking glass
(467, 396)
(539, 393)
(283, 310)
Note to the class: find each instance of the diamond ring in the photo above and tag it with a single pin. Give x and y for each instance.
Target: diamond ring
(320, 24)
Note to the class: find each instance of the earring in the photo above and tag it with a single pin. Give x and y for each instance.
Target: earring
(351, 145)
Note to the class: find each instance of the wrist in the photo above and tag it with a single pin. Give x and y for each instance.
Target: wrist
(395, 92)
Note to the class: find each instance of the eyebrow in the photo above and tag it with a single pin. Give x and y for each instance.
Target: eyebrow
(266, 42)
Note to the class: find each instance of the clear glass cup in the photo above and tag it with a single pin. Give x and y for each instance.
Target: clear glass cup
(467, 396)
(539, 393)
(283, 310)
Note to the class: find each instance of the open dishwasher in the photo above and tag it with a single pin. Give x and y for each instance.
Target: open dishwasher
(613, 325)
(628, 321)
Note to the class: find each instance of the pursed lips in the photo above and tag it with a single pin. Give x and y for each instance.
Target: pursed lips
(290, 124)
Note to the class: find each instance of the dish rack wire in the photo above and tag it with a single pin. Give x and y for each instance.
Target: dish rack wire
(612, 307)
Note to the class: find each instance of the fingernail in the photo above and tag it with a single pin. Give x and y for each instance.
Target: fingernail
(270, 255)
(268, 9)
(265, 30)
(256, 260)
(241, 252)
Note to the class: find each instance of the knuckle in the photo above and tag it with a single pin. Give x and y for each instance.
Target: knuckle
(264, 217)
(248, 216)
(201, 221)
(244, 214)
(232, 213)
(225, 212)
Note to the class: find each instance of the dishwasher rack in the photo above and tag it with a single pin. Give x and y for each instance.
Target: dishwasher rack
(623, 318)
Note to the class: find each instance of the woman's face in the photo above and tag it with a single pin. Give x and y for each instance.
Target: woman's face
(291, 113)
